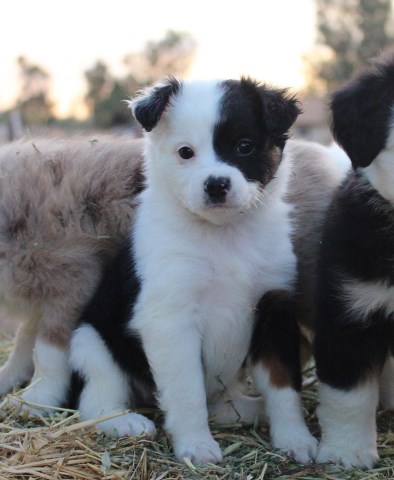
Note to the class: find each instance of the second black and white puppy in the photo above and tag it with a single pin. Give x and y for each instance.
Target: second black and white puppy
(172, 320)
(355, 326)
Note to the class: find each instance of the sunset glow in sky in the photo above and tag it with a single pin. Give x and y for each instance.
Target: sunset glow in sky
(264, 39)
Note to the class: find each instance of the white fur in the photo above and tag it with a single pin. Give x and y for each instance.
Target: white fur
(363, 298)
(95, 401)
(284, 411)
(51, 377)
(202, 268)
(339, 158)
(381, 172)
(386, 385)
(347, 419)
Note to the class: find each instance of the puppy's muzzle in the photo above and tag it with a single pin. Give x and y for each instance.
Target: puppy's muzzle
(217, 188)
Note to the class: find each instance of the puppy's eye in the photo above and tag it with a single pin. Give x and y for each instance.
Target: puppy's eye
(186, 153)
(245, 147)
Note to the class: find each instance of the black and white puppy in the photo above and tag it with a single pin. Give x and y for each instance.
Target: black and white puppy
(355, 301)
(172, 320)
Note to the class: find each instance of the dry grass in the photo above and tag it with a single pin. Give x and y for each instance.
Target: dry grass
(60, 447)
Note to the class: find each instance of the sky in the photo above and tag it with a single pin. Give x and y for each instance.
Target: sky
(264, 39)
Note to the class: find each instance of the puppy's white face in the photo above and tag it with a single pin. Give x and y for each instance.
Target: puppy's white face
(212, 149)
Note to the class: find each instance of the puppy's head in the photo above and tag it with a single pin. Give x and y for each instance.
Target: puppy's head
(362, 111)
(214, 145)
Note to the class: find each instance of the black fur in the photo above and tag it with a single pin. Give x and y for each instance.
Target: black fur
(358, 236)
(258, 114)
(362, 109)
(357, 243)
(77, 384)
(109, 312)
(149, 109)
(276, 337)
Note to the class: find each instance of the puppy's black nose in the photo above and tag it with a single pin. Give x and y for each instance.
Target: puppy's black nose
(217, 187)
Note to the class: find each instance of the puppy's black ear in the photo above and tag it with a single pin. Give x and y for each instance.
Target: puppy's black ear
(362, 112)
(149, 107)
(281, 110)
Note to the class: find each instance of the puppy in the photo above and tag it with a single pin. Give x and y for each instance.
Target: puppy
(355, 298)
(210, 259)
(65, 208)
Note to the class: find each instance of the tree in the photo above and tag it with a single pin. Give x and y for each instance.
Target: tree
(34, 98)
(104, 97)
(172, 55)
(350, 32)
(99, 83)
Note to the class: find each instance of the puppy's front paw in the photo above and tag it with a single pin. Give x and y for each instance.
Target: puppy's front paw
(198, 450)
(128, 425)
(348, 455)
(298, 443)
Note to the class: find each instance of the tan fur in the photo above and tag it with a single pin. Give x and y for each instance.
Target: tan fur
(65, 207)
(279, 375)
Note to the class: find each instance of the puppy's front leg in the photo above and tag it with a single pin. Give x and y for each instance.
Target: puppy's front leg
(173, 348)
(349, 361)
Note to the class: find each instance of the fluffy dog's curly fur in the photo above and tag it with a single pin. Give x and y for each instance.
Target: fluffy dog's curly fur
(65, 207)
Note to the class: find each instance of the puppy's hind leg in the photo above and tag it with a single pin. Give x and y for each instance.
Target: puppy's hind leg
(19, 366)
(106, 388)
(276, 369)
(49, 385)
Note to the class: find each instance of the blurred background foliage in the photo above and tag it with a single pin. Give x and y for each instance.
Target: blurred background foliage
(349, 33)
(172, 55)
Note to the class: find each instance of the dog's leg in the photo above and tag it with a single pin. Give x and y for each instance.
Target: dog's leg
(50, 382)
(60, 312)
(386, 385)
(51, 378)
(19, 366)
(276, 370)
(347, 420)
(173, 348)
(106, 388)
(349, 360)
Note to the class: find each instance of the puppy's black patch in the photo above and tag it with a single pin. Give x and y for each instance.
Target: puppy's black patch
(252, 127)
(149, 109)
(110, 311)
(357, 244)
(362, 111)
(276, 338)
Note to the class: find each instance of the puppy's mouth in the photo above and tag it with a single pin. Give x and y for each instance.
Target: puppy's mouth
(209, 205)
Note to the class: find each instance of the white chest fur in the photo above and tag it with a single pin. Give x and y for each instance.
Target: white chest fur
(208, 278)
